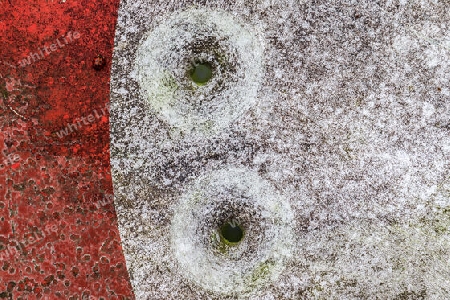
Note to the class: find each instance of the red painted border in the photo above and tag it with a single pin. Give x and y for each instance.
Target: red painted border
(58, 228)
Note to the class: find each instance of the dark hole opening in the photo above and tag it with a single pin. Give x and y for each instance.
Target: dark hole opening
(201, 73)
(232, 232)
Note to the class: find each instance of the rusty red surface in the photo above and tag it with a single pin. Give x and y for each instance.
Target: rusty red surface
(58, 228)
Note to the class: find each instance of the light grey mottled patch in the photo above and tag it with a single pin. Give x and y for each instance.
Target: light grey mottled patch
(351, 126)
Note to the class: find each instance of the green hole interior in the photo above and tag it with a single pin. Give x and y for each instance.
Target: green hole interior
(201, 73)
(232, 233)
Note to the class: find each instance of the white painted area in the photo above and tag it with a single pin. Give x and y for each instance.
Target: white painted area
(350, 125)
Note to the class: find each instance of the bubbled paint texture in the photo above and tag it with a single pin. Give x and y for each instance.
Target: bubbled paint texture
(58, 228)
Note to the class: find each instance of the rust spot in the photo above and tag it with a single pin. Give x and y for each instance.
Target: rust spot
(99, 62)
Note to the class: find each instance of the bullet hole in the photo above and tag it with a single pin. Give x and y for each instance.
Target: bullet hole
(201, 73)
(232, 232)
(99, 62)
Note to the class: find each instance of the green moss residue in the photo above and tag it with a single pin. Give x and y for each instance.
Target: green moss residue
(261, 272)
(197, 198)
(441, 222)
(423, 233)
(166, 92)
(221, 243)
(169, 82)
(432, 225)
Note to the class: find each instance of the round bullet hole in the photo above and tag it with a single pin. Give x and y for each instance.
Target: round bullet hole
(232, 232)
(99, 62)
(201, 73)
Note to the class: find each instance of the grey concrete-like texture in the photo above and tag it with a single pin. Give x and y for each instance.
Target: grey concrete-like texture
(324, 132)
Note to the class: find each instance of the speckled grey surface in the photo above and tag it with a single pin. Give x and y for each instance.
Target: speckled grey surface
(325, 132)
